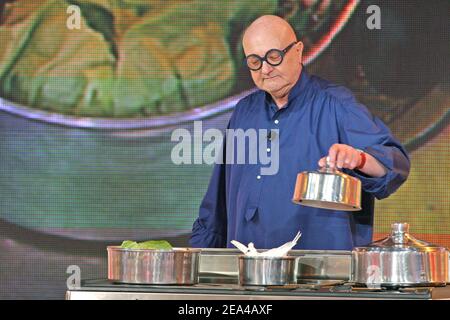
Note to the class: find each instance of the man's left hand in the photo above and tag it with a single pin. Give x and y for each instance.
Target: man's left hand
(342, 156)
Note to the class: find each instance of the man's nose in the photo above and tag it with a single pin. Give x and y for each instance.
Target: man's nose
(266, 68)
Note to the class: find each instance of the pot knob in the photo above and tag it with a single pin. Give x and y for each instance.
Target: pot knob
(399, 232)
(327, 167)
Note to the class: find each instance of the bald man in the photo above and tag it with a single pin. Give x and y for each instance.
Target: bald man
(314, 119)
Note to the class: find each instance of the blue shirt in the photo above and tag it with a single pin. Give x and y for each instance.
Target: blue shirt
(241, 204)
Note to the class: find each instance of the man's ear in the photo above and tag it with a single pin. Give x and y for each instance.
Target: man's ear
(300, 47)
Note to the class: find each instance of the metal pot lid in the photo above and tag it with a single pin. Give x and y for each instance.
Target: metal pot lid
(400, 240)
(328, 188)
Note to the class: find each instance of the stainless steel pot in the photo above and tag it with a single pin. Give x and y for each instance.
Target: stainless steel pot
(400, 260)
(143, 266)
(267, 271)
(328, 189)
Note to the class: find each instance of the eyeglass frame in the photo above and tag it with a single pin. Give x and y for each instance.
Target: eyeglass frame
(262, 59)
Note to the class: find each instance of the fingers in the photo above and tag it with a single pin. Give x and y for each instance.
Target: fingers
(322, 162)
(341, 156)
(356, 160)
(332, 154)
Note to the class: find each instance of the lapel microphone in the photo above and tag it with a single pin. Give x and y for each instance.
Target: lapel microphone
(271, 135)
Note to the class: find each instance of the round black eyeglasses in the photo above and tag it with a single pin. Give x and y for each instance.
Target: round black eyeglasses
(274, 57)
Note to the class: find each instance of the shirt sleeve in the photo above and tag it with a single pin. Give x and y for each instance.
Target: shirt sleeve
(361, 130)
(210, 228)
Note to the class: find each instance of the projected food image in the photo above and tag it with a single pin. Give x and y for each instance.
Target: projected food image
(130, 58)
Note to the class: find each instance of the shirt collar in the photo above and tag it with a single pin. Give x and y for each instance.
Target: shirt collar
(296, 90)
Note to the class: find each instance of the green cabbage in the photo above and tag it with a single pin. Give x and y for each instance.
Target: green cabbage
(150, 244)
(130, 58)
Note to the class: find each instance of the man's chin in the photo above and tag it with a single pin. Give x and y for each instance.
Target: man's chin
(270, 84)
(271, 81)
(273, 89)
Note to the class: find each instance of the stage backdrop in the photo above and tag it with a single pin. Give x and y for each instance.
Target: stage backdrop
(91, 91)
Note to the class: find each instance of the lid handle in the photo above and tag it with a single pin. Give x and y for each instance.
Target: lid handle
(327, 167)
(399, 232)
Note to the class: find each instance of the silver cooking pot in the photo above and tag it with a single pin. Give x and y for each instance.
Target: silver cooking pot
(145, 266)
(400, 260)
(328, 188)
(267, 271)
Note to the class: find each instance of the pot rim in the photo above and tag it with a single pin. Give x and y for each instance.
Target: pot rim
(350, 207)
(244, 257)
(173, 250)
(399, 249)
(129, 123)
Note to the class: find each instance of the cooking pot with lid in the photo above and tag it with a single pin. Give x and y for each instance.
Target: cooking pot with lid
(328, 188)
(400, 260)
